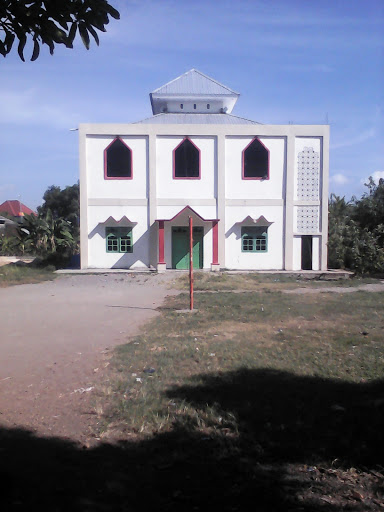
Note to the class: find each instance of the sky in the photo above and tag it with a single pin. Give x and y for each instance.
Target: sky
(292, 61)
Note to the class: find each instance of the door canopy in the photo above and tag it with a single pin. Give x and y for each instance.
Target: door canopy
(183, 215)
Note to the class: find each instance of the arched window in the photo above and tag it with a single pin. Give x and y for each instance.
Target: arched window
(256, 161)
(118, 161)
(186, 160)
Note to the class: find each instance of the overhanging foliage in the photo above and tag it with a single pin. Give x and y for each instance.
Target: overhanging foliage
(51, 22)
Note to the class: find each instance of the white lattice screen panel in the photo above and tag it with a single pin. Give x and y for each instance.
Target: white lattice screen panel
(308, 174)
(308, 219)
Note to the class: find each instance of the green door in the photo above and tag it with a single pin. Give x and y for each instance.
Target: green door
(180, 247)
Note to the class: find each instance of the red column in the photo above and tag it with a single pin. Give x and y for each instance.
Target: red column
(161, 241)
(215, 243)
(190, 263)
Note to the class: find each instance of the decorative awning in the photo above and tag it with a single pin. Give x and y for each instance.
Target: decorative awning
(187, 210)
(261, 221)
(111, 221)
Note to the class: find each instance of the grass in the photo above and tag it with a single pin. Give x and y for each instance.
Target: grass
(257, 282)
(272, 380)
(326, 336)
(12, 274)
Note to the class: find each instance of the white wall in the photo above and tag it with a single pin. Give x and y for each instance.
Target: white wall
(316, 253)
(235, 258)
(98, 256)
(168, 196)
(236, 187)
(201, 106)
(297, 253)
(98, 187)
(168, 187)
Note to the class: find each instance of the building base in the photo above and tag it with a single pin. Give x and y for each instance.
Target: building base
(161, 268)
(215, 267)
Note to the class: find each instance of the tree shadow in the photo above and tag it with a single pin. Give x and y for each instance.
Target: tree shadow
(296, 417)
(282, 419)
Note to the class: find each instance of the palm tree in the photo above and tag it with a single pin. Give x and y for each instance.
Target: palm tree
(44, 235)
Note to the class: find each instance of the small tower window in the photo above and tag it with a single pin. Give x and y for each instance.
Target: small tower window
(118, 161)
(256, 161)
(208, 106)
(181, 106)
(186, 160)
(194, 106)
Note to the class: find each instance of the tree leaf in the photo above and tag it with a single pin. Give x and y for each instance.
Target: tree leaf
(36, 50)
(20, 48)
(8, 41)
(71, 35)
(112, 11)
(49, 42)
(94, 33)
(63, 24)
(52, 22)
(84, 35)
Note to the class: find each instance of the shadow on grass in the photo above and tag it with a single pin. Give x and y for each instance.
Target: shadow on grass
(282, 420)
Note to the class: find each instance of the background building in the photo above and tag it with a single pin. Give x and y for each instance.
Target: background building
(15, 209)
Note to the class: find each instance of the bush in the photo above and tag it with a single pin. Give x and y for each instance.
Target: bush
(356, 231)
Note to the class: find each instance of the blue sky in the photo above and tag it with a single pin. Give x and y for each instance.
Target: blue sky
(292, 61)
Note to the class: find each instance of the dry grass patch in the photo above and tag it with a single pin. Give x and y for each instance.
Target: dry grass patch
(12, 274)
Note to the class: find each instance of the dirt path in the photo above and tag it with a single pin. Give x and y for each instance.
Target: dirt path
(54, 343)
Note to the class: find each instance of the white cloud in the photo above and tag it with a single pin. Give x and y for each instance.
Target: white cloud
(238, 26)
(352, 141)
(339, 179)
(6, 186)
(32, 107)
(375, 176)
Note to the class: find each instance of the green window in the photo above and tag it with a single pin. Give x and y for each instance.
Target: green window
(119, 239)
(254, 239)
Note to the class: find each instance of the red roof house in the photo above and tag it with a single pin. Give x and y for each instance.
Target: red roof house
(15, 208)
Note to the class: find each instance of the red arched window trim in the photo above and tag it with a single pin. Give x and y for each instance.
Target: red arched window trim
(174, 165)
(260, 178)
(106, 177)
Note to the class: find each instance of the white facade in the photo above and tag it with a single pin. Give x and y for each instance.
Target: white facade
(289, 204)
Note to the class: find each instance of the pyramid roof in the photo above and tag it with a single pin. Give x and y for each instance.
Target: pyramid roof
(194, 82)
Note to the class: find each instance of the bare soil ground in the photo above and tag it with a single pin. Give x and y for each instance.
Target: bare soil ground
(55, 339)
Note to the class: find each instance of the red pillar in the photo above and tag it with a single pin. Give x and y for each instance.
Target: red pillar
(161, 241)
(190, 263)
(215, 242)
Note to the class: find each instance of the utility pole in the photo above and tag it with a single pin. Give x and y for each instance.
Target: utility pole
(190, 263)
